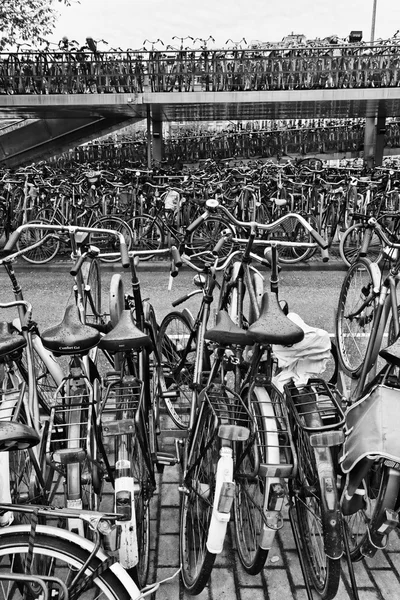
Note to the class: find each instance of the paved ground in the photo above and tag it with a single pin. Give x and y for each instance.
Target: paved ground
(378, 579)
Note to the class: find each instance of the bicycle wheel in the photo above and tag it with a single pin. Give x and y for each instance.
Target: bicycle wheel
(322, 570)
(353, 332)
(92, 298)
(329, 222)
(291, 230)
(249, 499)
(147, 234)
(110, 243)
(365, 528)
(205, 237)
(197, 503)
(351, 241)
(143, 494)
(43, 253)
(177, 348)
(59, 555)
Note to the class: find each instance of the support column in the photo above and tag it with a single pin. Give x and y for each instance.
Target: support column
(369, 141)
(149, 152)
(380, 140)
(158, 140)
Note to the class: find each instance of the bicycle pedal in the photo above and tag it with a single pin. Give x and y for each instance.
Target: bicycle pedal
(166, 458)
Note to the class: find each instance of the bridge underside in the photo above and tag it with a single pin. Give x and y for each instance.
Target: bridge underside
(55, 123)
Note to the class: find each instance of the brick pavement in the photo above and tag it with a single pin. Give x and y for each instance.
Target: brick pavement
(377, 579)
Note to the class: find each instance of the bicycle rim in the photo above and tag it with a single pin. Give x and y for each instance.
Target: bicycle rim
(58, 557)
(110, 243)
(197, 503)
(178, 360)
(291, 231)
(351, 241)
(43, 253)
(353, 333)
(92, 298)
(205, 237)
(382, 491)
(147, 234)
(249, 501)
(324, 572)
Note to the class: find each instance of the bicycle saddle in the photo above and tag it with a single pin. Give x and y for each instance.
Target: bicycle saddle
(16, 436)
(392, 353)
(125, 336)
(71, 336)
(226, 332)
(273, 326)
(9, 341)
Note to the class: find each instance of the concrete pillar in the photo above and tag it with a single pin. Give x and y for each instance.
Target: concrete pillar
(369, 141)
(149, 149)
(157, 140)
(380, 140)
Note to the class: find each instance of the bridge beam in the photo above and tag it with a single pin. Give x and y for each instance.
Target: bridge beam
(374, 141)
(158, 139)
(45, 138)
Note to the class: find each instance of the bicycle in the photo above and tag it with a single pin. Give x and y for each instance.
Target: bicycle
(39, 557)
(128, 417)
(367, 312)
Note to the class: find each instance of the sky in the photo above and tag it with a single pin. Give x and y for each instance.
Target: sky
(128, 23)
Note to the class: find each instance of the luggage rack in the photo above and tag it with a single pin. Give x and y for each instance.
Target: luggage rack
(70, 431)
(119, 405)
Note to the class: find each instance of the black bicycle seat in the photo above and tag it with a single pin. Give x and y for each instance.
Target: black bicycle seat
(125, 336)
(9, 342)
(273, 326)
(226, 332)
(16, 436)
(71, 336)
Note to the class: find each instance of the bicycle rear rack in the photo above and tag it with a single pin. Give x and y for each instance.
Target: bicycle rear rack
(119, 405)
(70, 431)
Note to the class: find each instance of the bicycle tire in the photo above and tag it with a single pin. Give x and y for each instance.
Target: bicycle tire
(322, 570)
(92, 294)
(330, 222)
(176, 376)
(108, 243)
(350, 244)
(205, 237)
(197, 504)
(60, 554)
(147, 234)
(82, 478)
(382, 490)
(140, 572)
(43, 253)
(352, 335)
(249, 499)
(291, 230)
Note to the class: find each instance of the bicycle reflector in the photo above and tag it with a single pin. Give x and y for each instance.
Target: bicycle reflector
(325, 439)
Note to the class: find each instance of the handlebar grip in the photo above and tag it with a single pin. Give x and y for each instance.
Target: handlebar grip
(323, 243)
(196, 223)
(12, 240)
(180, 300)
(218, 246)
(176, 257)
(124, 255)
(325, 254)
(77, 266)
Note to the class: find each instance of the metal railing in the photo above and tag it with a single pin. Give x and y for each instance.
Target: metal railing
(138, 71)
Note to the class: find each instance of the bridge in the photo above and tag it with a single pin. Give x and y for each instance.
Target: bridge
(65, 98)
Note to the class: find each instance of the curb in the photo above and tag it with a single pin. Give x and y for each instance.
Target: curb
(333, 264)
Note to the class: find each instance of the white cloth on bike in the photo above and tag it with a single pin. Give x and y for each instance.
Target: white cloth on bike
(305, 359)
